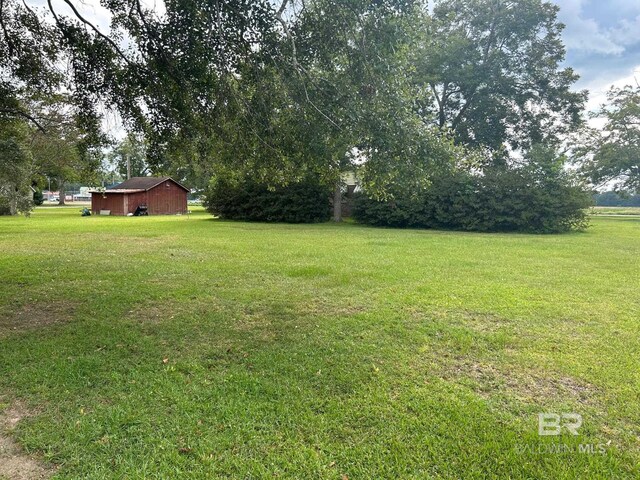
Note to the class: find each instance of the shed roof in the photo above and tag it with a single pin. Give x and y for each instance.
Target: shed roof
(143, 183)
(118, 190)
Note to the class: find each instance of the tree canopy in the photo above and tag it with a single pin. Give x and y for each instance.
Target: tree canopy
(613, 154)
(490, 70)
(291, 88)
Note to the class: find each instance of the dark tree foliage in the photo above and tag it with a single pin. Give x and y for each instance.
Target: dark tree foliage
(29, 49)
(616, 199)
(306, 201)
(177, 78)
(16, 167)
(538, 197)
(491, 73)
(38, 197)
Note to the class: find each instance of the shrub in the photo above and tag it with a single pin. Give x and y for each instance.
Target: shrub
(306, 201)
(38, 197)
(505, 199)
(4, 207)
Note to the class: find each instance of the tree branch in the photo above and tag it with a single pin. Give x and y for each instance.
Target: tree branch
(4, 29)
(297, 67)
(93, 27)
(21, 113)
(441, 113)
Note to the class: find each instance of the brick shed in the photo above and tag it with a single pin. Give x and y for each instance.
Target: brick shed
(161, 195)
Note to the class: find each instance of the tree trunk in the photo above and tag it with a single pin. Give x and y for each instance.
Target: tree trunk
(13, 204)
(337, 203)
(61, 192)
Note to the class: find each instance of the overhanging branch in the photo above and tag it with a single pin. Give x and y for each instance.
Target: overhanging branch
(296, 66)
(92, 26)
(23, 114)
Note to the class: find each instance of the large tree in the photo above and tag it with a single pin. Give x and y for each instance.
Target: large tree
(328, 89)
(612, 155)
(16, 167)
(64, 150)
(129, 156)
(492, 71)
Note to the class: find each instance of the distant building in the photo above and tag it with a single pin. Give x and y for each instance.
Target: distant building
(83, 196)
(156, 195)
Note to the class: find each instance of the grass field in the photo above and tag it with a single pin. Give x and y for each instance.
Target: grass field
(615, 210)
(188, 347)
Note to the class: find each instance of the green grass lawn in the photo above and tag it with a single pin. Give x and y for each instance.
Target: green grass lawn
(615, 210)
(189, 347)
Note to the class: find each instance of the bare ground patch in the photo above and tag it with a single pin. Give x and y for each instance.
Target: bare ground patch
(527, 385)
(324, 307)
(34, 315)
(489, 378)
(15, 464)
(154, 312)
(476, 322)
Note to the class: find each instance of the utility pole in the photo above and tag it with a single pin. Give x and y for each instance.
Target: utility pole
(128, 167)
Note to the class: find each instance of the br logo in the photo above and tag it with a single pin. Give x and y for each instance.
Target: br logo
(552, 423)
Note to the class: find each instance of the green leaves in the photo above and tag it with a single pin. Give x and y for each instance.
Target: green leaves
(493, 68)
(614, 156)
(537, 198)
(306, 201)
(15, 168)
(287, 89)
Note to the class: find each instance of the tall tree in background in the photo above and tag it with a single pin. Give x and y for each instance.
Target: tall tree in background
(613, 155)
(346, 96)
(327, 91)
(492, 69)
(16, 167)
(63, 149)
(129, 157)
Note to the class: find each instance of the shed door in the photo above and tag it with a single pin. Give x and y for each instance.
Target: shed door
(125, 200)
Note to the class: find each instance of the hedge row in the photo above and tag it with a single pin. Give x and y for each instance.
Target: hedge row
(303, 202)
(502, 200)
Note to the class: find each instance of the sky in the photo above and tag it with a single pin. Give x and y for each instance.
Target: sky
(602, 38)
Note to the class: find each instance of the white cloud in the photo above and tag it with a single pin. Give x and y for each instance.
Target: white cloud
(599, 87)
(585, 34)
(627, 32)
(598, 91)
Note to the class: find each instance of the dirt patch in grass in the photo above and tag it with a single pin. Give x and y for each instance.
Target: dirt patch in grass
(152, 313)
(15, 464)
(155, 312)
(528, 385)
(332, 308)
(34, 315)
(484, 322)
